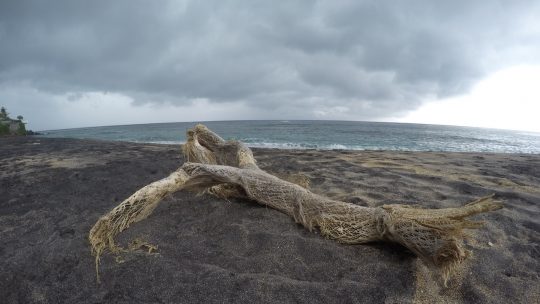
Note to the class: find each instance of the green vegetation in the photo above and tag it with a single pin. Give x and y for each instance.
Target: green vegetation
(21, 130)
(4, 129)
(10, 126)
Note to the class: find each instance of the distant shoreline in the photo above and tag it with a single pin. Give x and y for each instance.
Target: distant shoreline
(326, 135)
(292, 149)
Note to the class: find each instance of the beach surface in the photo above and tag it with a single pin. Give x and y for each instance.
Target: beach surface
(52, 191)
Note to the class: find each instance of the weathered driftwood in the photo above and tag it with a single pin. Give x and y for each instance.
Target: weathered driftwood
(228, 169)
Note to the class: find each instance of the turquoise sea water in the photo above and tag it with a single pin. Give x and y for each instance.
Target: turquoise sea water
(326, 135)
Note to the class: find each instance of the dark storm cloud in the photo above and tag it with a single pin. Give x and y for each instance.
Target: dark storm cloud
(373, 59)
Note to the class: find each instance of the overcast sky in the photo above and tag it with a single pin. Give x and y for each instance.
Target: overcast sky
(86, 63)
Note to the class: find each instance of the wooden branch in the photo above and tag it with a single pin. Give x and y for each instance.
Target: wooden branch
(228, 169)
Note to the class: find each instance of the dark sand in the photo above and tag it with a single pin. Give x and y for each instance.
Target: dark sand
(53, 190)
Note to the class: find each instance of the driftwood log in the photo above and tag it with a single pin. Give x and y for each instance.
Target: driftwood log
(228, 169)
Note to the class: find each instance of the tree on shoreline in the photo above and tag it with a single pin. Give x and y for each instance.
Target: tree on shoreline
(3, 113)
(9, 126)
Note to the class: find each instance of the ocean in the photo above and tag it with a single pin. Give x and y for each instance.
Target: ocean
(322, 135)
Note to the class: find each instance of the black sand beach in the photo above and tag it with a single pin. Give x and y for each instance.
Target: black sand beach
(52, 191)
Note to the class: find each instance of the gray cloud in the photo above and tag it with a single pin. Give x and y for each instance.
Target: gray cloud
(367, 58)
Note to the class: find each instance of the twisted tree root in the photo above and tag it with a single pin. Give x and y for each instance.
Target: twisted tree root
(228, 169)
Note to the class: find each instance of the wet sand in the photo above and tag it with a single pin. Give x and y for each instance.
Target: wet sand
(52, 191)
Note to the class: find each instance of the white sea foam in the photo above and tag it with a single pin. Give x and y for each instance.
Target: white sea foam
(164, 142)
(301, 146)
(278, 145)
(339, 146)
